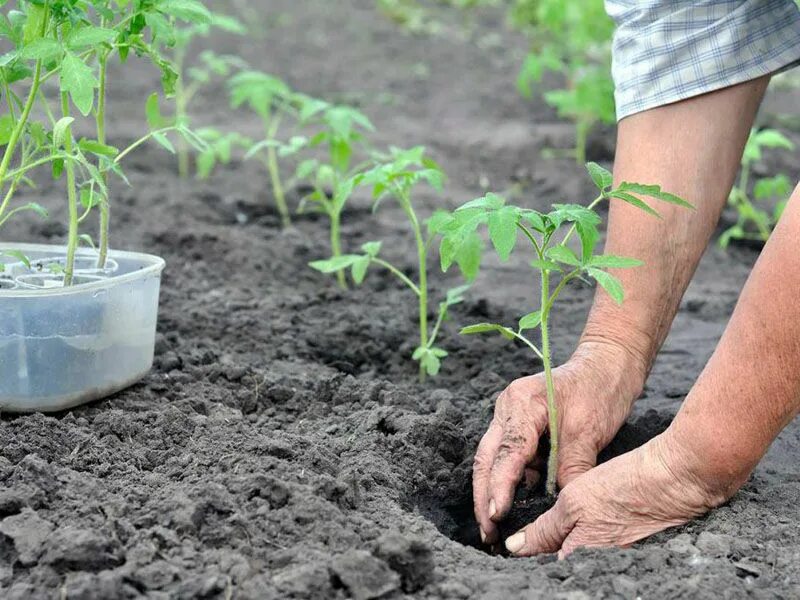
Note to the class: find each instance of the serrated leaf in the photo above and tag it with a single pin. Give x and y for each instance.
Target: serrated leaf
(95, 147)
(90, 36)
(60, 130)
(609, 283)
(601, 177)
(545, 265)
(530, 321)
(192, 11)
(468, 257)
(488, 202)
(563, 254)
(503, 230)
(41, 49)
(654, 191)
(78, 79)
(456, 295)
(634, 201)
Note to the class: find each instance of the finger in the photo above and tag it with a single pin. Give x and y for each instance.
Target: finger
(546, 535)
(531, 477)
(575, 457)
(517, 449)
(481, 471)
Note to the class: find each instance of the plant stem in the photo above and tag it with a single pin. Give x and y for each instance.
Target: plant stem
(181, 112)
(18, 129)
(72, 198)
(397, 273)
(422, 255)
(274, 174)
(336, 246)
(581, 134)
(552, 411)
(100, 120)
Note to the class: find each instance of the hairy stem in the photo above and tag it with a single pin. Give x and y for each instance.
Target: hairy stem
(275, 176)
(397, 273)
(72, 198)
(100, 120)
(336, 246)
(552, 411)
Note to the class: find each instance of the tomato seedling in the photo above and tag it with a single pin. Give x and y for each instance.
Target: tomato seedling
(271, 99)
(574, 40)
(396, 178)
(192, 80)
(332, 180)
(552, 257)
(753, 222)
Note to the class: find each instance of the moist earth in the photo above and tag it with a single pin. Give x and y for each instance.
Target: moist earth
(282, 446)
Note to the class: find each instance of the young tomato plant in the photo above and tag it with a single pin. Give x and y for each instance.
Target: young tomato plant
(554, 260)
(72, 41)
(753, 222)
(271, 99)
(574, 40)
(192, 80)
(396, 178)
(332, 179)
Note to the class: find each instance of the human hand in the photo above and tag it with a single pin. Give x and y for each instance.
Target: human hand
(595, 391)
(629, 498)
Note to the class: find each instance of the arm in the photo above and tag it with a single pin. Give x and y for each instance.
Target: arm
(692, 148)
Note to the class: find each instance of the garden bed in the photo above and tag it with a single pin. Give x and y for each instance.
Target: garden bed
(282, 446)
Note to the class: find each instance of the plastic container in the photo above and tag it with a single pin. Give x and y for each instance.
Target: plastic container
(62, 347)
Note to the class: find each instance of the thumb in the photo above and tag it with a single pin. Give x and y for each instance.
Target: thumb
(575, 458)
(546, 534)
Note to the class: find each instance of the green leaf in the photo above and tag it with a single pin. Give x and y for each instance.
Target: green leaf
(562, 254)
(589, 236)
(609, 283)
(530, 321)
(95, 147)
(456, 295)
(602, 178)
(41, 49)
(335, 264)
(20, 256)
(609, 261)
(359, 269)
(6, 128)
(503, 230)
(87, 240)
(772, 138)
(469, 255)
(633, 200)
(654, 191)
(79, 81)
(153, 112)
(61, 130)
(164, 142)
(489, 328)
(90, 36)
(372, 249)
(545, 265)
(536, 220)
(35, 207)
(488, 202)
(186, 10)
(34, 23)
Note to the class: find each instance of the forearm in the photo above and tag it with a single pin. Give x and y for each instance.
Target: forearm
(750, 388)
(692, 149)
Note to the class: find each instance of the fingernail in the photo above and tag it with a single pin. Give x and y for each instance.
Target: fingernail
(483, 536)
(492, 508)
(516, 542)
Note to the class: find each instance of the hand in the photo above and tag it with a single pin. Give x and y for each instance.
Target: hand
(622, 501)
(595, 391)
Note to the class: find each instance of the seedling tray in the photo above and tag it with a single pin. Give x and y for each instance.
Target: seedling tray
(62, 347)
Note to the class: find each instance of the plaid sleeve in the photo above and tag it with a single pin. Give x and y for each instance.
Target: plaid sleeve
(670, 50)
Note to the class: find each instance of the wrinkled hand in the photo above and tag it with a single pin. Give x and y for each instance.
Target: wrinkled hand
(622, 501)
(595, 391)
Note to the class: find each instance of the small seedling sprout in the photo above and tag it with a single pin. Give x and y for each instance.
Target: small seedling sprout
(552, 257)
(396, 178)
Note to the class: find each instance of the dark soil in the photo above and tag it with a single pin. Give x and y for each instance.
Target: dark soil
(281, 446)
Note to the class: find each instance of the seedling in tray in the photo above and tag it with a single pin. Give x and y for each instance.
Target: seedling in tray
(552, 258)
(397, 178)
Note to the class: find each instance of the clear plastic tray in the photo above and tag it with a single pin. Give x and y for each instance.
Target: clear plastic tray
(62, 347)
